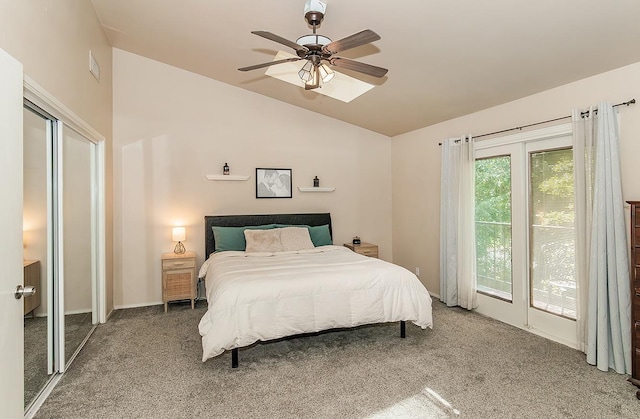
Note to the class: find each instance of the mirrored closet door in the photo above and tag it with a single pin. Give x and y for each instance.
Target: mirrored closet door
(60, 242)
(77, 239)
(37, 231)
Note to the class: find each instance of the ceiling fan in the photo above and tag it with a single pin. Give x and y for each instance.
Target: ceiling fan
(319, 50)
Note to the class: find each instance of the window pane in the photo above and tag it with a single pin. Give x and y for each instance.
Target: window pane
(493, 226)
(553, 284)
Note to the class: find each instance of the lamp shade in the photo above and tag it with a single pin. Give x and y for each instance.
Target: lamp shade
(326, 74)
(179, 234)
(315, 79)
(306, 72)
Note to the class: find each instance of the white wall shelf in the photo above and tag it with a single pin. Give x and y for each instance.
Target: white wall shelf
(302, 189)
(228, 177)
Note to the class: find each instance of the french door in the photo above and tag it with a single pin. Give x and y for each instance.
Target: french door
(525, 237)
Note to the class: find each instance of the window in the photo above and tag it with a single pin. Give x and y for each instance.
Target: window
(525, 235)
(551, 231)
(493, 226)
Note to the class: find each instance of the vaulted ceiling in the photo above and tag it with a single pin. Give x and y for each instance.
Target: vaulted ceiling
(445, 58)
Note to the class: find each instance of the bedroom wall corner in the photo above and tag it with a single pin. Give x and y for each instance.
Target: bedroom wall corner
(52, 39)
(173, 127)
(416, 158)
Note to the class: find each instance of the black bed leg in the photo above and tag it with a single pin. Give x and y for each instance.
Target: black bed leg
(234, 358)
(403, 329)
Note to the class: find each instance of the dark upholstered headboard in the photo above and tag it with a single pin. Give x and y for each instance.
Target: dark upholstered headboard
(312, 220)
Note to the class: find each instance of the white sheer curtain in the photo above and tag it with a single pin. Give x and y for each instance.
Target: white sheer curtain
(583, 150)
(458, 282)
(604, 315)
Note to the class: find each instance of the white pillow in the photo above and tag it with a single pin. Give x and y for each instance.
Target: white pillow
(263, 240)
(295, 238)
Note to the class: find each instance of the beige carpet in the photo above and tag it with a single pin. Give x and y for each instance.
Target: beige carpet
(146, 364)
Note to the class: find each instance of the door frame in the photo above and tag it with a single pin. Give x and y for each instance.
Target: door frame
(37, 95)
(510, 311)
(552, 326)
(502, 310)
(15, 86)
(34, 93)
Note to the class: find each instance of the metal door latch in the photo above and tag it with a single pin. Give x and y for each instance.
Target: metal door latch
(24, 291)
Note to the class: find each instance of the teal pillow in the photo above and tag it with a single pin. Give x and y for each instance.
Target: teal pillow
(232, 238)
(320, 235)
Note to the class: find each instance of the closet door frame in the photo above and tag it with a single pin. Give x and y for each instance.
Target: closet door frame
(65, 118)
(43, 99)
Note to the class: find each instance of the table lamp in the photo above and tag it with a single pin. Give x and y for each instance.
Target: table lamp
(179, 234)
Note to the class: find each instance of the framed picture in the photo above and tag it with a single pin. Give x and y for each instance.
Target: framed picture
(273, 183)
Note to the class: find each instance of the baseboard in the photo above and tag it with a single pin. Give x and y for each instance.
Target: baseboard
(77, 311)
(138, 305)
(159, 303)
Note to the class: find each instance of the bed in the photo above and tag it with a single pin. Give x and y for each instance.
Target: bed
(257, 293)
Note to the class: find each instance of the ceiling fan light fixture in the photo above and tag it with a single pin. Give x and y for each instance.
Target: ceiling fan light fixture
(306, 72)
(315, 50)
(342, 88)
(314, 82)
(326, 73)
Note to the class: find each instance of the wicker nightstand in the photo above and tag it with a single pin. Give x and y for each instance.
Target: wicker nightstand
(366, 249)
(178, 278)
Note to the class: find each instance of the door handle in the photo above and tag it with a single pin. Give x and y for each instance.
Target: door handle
(24, 291)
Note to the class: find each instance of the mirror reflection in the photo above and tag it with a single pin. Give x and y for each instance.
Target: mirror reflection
(79, 271)
(35, 224)
(56, 209)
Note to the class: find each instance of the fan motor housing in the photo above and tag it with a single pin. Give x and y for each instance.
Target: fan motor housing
(314, 18)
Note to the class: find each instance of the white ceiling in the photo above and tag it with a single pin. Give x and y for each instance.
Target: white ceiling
(446, 58)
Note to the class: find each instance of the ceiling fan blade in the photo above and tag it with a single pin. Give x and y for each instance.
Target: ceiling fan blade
(255, 67)
(352, 41)
(273, 37)
(369, 69)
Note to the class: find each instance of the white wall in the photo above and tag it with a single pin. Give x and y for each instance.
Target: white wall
(52, 39)
(172, 127)
(416, 158)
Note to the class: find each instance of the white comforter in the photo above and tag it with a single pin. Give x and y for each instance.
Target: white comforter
(263, 296)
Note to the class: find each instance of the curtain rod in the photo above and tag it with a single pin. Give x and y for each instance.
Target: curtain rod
(627, 103)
